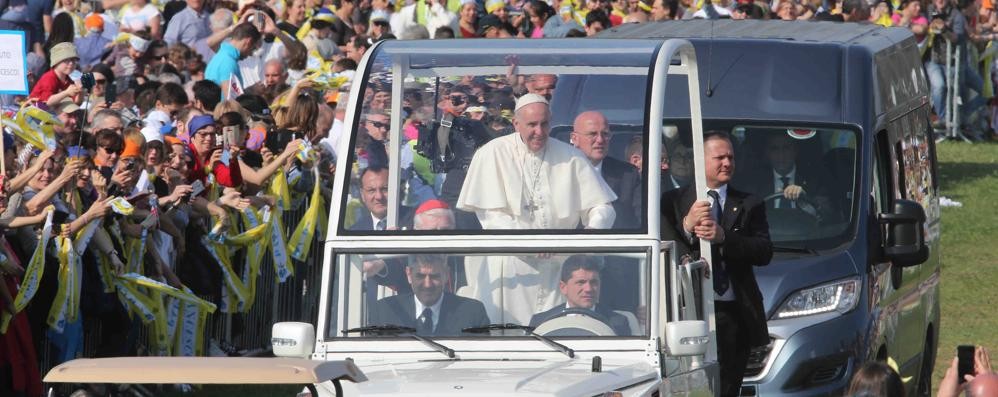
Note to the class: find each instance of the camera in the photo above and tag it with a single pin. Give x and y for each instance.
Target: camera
(130, 164)
(456, 100)
(87, 81)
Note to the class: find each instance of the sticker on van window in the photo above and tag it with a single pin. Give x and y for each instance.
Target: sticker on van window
(801, 133)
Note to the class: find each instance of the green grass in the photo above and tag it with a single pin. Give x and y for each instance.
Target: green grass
(968, 173)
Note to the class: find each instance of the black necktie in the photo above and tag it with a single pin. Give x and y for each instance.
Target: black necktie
(720, 276)
(425, 326)
(786, 182)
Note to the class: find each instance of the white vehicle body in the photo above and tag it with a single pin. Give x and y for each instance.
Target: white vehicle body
(670, 350)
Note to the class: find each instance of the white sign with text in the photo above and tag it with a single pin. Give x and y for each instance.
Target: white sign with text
(13, 63)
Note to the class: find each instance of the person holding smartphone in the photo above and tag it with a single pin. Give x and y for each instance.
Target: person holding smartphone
(207, 145)
(970, 371)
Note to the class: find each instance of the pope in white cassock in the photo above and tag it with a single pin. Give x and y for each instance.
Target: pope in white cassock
(527, 181)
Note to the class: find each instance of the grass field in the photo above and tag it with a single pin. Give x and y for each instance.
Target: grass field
(968, 174)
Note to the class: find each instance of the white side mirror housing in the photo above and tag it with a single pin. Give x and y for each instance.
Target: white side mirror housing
(291, 339)
(684, 338)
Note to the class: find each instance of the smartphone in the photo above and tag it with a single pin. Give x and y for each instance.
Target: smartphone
(196, 188)
(965, 361)
(258, 19)
(230, 135)
(226, 155)
(59, 217)
(110, 93)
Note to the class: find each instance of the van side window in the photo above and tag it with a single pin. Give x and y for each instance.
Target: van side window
(900, 184)
(881, 173)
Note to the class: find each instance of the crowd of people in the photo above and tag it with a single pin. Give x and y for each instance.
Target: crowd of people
(152, 128)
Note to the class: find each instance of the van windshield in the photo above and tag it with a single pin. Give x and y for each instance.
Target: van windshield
(437, 131)
(443, 294)
(805, 175)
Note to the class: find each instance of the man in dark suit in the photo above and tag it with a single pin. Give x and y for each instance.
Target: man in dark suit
(374, 195)
(429, 309)
(591, 135)
(580, 285)
(739, 237)
(781, 173)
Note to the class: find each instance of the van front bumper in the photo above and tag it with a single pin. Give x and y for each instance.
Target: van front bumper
(808, 356)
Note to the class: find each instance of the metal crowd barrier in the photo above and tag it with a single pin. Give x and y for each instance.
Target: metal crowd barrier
(953, 102)
(297, 299)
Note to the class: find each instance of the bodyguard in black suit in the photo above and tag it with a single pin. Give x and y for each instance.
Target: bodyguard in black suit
(591, 135)
(580, 285)
(429, 309)
(738, 242)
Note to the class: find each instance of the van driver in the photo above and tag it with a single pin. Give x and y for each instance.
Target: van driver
(429, 309)
(580, 285)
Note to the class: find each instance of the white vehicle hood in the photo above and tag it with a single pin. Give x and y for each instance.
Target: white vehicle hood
(500, 377)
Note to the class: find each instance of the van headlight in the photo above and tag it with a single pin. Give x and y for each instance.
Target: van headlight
(840, 296)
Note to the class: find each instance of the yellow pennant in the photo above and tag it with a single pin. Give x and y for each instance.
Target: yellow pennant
(301, 239)
(32, 275)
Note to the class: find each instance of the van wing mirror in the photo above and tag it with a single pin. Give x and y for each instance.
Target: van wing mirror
(293, 339)
(687, 338)
(905, 240)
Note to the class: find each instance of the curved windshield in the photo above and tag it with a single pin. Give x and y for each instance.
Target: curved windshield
(806, 177)
(449, 295)
(516, 138)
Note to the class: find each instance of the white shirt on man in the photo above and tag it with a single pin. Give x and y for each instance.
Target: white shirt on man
(778, 186)
(435, 308)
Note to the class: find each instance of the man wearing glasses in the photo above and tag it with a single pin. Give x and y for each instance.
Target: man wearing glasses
(591, 134)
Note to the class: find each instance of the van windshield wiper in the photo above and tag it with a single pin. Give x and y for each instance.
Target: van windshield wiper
(392, 329)
(797, 250)
(526, 330)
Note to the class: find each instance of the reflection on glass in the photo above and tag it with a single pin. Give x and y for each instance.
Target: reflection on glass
(442, 295)
(463, 140)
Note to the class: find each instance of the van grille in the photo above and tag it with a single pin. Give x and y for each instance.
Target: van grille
(757, 359)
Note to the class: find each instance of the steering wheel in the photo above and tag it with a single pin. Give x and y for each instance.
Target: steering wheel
(804, 204)
(575, 321)
(790, 223)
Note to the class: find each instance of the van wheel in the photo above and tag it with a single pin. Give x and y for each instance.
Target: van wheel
(924, 388)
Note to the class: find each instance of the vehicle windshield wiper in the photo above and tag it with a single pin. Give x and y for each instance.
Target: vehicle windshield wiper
(392, 329)
(526, 330)
(798, 250)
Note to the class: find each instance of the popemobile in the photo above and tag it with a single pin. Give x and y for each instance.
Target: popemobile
(485, 306)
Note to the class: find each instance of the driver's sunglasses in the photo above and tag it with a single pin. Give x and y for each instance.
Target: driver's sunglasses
(378, 124)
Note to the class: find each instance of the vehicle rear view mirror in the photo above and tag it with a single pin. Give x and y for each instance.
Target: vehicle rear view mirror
(292, 339)
(687, 338)
(905, 239)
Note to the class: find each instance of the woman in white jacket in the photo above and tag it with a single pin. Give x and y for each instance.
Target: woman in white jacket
(429, 13)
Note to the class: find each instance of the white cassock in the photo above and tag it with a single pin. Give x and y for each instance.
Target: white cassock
(510, 187)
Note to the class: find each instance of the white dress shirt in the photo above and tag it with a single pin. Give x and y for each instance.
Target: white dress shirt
(435, 308)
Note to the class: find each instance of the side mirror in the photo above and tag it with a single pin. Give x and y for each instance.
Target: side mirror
(291, 339)
(687, 338)
(905, 240)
